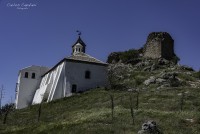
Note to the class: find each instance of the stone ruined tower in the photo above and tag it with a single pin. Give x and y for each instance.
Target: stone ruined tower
(159, 45)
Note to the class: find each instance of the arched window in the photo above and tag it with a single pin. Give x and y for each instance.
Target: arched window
(26, 75)
(33, 76)
(87, 74)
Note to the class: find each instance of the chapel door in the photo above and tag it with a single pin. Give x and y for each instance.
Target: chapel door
(74, 88)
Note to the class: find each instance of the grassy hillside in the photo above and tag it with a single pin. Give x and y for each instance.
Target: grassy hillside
(90, 112)
(168, 94)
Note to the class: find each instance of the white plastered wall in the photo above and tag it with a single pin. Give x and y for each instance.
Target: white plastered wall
(26, 87)
(58, 83)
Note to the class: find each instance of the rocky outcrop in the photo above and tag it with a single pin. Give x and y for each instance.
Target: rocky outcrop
(158, 45)
(153, 66)
(142, 64)
(165, 79)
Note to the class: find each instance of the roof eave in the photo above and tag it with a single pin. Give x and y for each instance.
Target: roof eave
(72, 60)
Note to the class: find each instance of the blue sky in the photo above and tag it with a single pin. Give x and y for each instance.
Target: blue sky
(43, 34)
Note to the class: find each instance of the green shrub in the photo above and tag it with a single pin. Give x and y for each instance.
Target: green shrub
(197, 74)
(114, 57)
(129, 55)
(186, 77)
(175, 59)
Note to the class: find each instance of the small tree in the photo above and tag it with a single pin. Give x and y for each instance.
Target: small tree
(112, 105)
(197, 74)
(40, 106)
(5, 110)
(39, 111)
(182, 100)
(132, 110)
(111, 77)
(137, 100)
(117, 74)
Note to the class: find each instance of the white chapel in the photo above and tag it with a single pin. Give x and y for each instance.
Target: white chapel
(76, 73)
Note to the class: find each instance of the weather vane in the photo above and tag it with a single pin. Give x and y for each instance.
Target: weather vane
(79, 32)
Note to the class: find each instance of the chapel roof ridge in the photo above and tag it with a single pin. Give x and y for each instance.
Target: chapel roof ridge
(85, 57)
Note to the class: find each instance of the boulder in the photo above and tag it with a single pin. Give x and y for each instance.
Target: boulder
(142, 64)
(170, 78)
(148, 68)
(149, 127)
(160, 80)
(149, 81)
(163, 61)
(170, 75)
(133, 90)
(153, 67)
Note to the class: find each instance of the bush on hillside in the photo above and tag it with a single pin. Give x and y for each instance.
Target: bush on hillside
(175, 59)
(114, 57)
(117, 73)
(130, 56)
(197, 75)
(5, 110)
(7, 107)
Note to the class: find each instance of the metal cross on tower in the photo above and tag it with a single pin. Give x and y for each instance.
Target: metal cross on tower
(79, 32)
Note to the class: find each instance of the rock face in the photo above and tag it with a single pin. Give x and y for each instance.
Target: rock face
(149, 127)
(164, 79)
(159, 45)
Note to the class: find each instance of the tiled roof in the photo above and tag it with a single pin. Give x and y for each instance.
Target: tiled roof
(85, 57)
(79, 57)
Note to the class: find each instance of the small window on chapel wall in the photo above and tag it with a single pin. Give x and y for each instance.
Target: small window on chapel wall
(33, 76)
(87, 74)
(74, 88)
(26, 75)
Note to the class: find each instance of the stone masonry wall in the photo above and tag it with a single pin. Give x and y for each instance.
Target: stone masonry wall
(153, 49)
(168, 49)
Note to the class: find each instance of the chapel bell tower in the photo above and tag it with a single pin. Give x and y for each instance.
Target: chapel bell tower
(78, 47)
